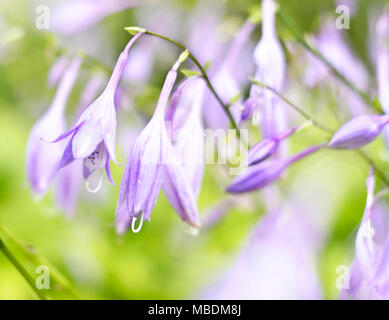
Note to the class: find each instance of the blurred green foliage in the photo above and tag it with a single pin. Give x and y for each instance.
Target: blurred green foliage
(163, 261)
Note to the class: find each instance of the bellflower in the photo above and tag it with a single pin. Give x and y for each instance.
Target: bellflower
(382, 59)
(42, 157)
(271, 70)
(278, 262)
(93, 136)
(358, 131)
(259, 176)
(183, 172)
(368, 277)
(142, 178)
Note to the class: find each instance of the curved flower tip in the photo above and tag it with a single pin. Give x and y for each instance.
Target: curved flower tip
(358, 132)
(261, 151)
(179, 192)
(260, 175)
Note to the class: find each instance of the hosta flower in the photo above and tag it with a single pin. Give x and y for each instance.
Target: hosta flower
(42, 157)
(368, 276)
(278, 262)
(358, 131)
(142, 178)
(93, 136)
(260, 175)
(183, 172)
(271, 69)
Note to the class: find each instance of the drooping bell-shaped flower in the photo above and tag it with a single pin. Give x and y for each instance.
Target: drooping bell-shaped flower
(93, 136)
(184, 169)
(358, 131)
(259, 176)
(278, 262)
(368, 276)
(271, 70)
(74, 16)
(42, 157)
(142, 178)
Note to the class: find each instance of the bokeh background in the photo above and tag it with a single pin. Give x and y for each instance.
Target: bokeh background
(163, 261)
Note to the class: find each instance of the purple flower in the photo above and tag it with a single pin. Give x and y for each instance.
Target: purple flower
(183, 172)
(42, 157)
(260, 175)
(93, 136)
(74, 16)
(142, 178)
(271, 70)
(265, 148)
(368, 277)
(278, 262)
(358, 131)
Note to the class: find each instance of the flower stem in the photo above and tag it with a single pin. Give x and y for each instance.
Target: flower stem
(32, 255)
(363, 155)
(8, 254)
(291, 26)
(134, 30)
(292, 105)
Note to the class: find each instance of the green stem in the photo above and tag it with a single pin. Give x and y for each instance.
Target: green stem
(287, 22)
(364, 156)
(291, 104)
(21, 270)
(198, 65)
(31, 253)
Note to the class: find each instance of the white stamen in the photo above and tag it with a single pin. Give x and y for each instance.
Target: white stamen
(139, 226)
(97, 188)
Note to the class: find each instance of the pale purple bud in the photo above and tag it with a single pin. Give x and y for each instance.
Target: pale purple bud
(142, 178)
(93, 136)
(56, 71)
(265, 148)
(249, 106)
(260, 175)
(42, 157)
(358, 131)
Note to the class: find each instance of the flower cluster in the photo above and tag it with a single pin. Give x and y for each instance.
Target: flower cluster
(169, 152)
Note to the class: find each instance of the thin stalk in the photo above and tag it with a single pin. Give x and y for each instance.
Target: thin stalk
(363, 155)
(8, 254)
(287, 22)
(134, 30)
(31, 253)
(291, 104)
